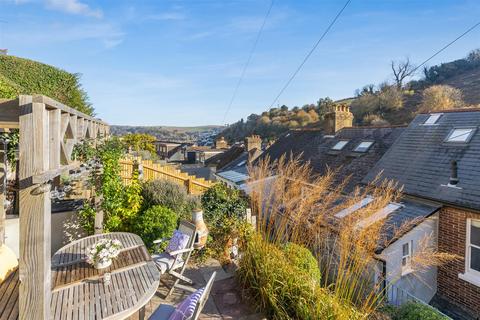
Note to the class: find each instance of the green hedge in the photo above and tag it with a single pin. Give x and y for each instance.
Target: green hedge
(23, 76)
(413, 311)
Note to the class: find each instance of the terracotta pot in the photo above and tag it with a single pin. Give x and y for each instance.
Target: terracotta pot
(202, 230)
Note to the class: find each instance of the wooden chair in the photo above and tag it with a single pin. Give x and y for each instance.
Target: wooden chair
(175, 263)
(164, 311)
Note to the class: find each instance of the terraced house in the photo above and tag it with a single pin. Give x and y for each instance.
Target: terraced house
(437, 159)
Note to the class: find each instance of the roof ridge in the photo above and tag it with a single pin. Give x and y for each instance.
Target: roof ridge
(475, 109)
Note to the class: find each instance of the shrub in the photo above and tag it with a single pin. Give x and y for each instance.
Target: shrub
(169, 194)
(155, 223)
(441, 97)
(224, 210)
(220, 202)
(284, 290)
(303, 259)
(413, 311)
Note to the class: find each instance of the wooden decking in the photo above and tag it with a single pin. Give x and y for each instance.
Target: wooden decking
(9, 297)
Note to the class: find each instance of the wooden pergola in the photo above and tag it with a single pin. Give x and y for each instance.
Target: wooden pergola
(48, 132)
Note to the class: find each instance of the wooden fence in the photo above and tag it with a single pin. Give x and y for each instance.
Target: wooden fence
(152, 171)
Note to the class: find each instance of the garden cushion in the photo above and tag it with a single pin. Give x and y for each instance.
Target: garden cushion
(8, 263)
(186, 309)
(163, 312)
(164, 262)
(177, 242)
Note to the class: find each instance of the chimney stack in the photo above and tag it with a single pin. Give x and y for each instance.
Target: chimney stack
(454, 174)
(221, 143)
(253, 142)
(253, 146)
(339, 117)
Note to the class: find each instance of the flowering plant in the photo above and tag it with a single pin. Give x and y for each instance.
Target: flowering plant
(103, 251)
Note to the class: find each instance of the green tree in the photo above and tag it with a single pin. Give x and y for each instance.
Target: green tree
(140, 141)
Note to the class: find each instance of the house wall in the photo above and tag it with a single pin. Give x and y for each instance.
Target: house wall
(421, 283)
(452, 239)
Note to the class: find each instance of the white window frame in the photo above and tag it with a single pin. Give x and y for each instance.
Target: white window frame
(470, 275)
(467, 139)
(433, 116)
(347, 211)
(407, 268)
(368, 148)
(342, 144)
(379, 215)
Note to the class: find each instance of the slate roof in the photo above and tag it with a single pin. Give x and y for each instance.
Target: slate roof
(223, 159)
(420, 160)
(317, 148)
(411, 211)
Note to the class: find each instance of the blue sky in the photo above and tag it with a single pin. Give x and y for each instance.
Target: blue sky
(176, 62)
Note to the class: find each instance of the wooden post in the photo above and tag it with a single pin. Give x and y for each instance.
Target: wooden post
(35, 213)
(3, 188)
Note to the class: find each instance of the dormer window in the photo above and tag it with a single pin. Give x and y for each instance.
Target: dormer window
(363, 146)
(340, 145)
(460, 135)
(432, 119)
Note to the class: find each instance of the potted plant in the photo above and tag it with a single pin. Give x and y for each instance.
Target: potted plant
(100, 254)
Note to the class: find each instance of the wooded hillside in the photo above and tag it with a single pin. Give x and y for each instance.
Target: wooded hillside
(454, 84)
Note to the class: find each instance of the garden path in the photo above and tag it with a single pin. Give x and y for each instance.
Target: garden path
(224, 303)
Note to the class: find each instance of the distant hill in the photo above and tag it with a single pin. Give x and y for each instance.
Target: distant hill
(171, 133)
(23, 76)
(373, 105)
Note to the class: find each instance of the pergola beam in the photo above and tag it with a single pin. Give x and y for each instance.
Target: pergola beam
(48, 132)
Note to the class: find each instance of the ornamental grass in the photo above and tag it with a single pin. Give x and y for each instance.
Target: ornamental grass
(293, 205)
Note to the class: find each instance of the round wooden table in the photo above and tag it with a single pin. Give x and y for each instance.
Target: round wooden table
(79, 290)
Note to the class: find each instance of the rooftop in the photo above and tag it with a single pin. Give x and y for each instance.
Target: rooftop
(422, 156)
(323, 151)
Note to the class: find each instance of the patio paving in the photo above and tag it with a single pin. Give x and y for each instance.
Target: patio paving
(225, 301)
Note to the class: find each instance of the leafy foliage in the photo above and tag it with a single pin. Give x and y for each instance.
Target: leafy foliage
(170, 195)
(303, 259)
(83, 151)
(155, 223)
(441, 97)
(224, 212)
(23, 76)
(12, 145)
(270, 124)
(139, 142)
(284, 290)
(220, 202)
(413, 311)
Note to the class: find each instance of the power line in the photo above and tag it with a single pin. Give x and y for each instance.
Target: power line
(248, 62)
(309, 53)
(444, 47)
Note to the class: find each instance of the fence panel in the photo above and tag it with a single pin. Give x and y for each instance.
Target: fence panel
(153, 171)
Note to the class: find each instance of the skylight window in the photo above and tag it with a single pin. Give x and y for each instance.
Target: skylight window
(340, 145)
(432, 119)
(460, 135)
(241, 163)
(362, 203)
(363, 146)
(379, 215)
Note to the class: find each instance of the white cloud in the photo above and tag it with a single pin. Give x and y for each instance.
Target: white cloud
(74, 7)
